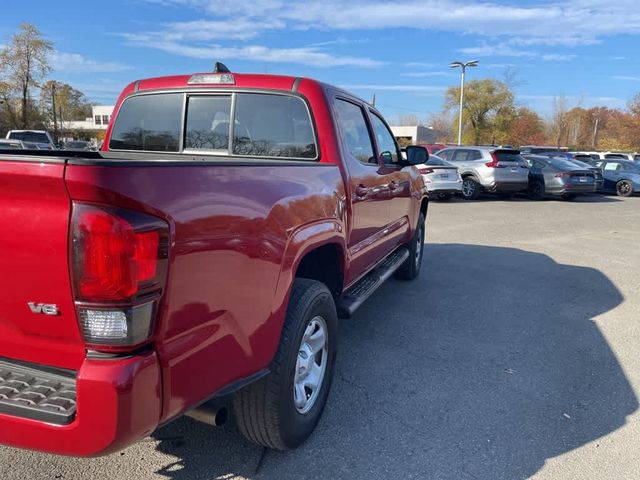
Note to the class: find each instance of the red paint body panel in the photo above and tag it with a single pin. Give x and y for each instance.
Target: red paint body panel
(35, 226)
(237, 235)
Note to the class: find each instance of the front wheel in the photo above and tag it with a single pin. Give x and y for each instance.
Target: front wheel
(281, 410)
(410, 268)
(624, 188)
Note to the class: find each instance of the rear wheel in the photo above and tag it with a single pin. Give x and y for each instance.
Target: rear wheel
(410, 269)
(624, 188)
(470, 188)
(536, 190)
(281, 410)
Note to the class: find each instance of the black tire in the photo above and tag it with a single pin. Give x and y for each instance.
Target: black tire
(536, 190)
(624, 188)
(410, 268)
(265, 412)
(470, 188)
(568, 197)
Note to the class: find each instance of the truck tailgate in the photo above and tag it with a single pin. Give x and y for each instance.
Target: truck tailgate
(34, 273)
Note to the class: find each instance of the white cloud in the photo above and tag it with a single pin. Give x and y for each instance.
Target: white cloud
(302, 55)
(500, 65)
(415, 89)
(419, 65)
(75, 63)
(626, 77)
(557, 57)
(517, 30)
(560, 22)
(426, 74)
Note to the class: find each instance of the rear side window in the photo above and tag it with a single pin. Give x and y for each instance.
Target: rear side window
(272, 126)
(208, 122)
(354, 131)
(386, 142)
(446, 154)
(148, 122)
(506, 156)
(37, 137)
(614, 155)
(462, 156)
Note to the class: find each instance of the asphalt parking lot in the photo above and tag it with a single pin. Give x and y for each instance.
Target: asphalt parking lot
(514, 355)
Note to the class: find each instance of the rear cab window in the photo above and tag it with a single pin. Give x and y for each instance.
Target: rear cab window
(266, 125)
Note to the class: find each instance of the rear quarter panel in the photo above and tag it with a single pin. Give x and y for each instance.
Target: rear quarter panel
(237, 233)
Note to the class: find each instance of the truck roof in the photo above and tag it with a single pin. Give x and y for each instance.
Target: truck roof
(240, 80)
(248, 80)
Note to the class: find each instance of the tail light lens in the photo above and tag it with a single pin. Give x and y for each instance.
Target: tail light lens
(494, 163)
(426, 171)
(118, 264)
(562, 175)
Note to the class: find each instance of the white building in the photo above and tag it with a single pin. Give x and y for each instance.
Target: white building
(101, 115)
(414, 134)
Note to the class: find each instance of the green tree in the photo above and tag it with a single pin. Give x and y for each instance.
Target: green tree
(488, 110)
(23, 65)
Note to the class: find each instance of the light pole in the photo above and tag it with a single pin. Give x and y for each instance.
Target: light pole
(463, 66)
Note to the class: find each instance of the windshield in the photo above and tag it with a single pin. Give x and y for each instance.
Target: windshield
(36, 137)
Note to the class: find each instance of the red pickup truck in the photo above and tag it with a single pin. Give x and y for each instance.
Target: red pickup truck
(202, 258)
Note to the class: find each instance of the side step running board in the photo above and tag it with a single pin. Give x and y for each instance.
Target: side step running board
(364, 288)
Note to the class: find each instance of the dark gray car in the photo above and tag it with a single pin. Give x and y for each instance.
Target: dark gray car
(558, 177)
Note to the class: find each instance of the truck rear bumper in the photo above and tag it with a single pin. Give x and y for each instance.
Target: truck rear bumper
(118, 401)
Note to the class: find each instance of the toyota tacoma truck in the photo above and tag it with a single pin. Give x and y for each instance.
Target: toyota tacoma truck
(204, 254)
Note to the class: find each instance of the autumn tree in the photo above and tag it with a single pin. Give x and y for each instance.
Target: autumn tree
(69, 103)
(527, 128)
(488, 110)
(24, 63)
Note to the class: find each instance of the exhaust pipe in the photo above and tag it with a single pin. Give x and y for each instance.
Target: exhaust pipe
(210, 414)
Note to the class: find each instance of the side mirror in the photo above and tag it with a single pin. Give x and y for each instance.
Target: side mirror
(417, 154)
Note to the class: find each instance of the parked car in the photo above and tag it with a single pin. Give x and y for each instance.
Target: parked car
(12, 144)
(41, 138)
(558, 177)
(80, 145)
(199, 261)
(581, 161)
(535, 149)
(441, 178)
(432, 148)
(620, 176)
(488, 169)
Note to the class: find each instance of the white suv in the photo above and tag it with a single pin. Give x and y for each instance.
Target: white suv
(488, 169)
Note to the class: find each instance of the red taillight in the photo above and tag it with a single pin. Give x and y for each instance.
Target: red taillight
(494, 161)
(562, 175)
(118, 262)
(426, 171)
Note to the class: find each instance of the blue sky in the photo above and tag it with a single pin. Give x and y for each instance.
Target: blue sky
(586, 50)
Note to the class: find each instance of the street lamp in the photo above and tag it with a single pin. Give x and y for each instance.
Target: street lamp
(463, 66)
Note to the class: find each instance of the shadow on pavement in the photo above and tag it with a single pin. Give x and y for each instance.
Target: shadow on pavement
(486, 366)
